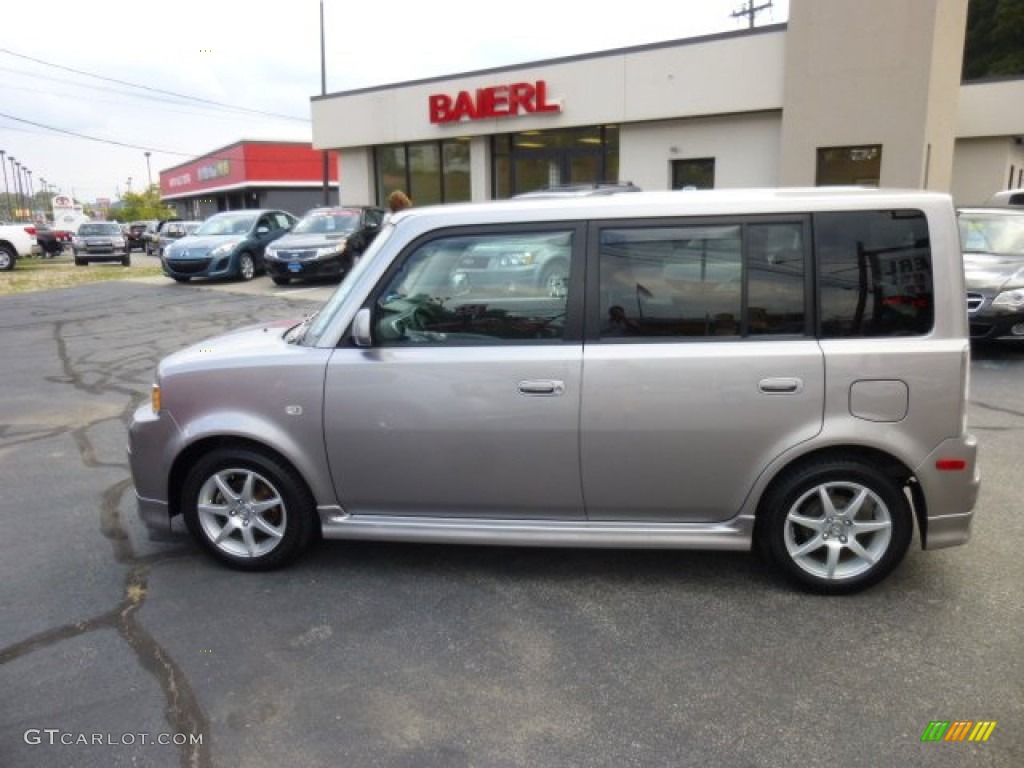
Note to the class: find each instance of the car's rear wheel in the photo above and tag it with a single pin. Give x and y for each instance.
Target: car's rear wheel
(248, 509)
(836, 526)
(246, 267)
(8, 258)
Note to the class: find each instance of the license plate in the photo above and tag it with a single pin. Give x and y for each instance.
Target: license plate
(293, 267)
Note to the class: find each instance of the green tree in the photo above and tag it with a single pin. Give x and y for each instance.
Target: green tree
(995, 39)
(144, 205)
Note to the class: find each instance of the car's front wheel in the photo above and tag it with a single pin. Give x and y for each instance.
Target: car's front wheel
(8, 258)
(248, 509)
(246, 267)
(836, 526)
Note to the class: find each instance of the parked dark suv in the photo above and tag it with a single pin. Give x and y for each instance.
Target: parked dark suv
(135, 234)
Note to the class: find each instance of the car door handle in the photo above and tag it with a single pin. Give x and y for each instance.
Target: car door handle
(781, 386)
(542, 387)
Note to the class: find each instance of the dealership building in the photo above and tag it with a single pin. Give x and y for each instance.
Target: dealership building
(866, 92)
(250, 174)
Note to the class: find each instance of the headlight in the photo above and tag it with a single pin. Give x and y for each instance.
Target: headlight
(220, 250)
(119, 242)
(270, 252)
(1013, 299)
(330, 250)
(516, 260)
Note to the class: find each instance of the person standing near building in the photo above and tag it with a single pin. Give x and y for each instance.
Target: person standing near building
(397, 201)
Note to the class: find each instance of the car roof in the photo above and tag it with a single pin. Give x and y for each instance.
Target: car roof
(991, 211)
(1008, 197)
(638, 205)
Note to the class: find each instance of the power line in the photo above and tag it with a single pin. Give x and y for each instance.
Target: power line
(155, 90)
(94, 138)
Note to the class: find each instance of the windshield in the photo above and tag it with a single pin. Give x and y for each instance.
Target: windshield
(228, 224)
(99, 229)
(1002, 235)
(327, 222)
(322, 320)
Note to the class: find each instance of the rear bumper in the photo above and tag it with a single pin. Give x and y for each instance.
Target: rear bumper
(950, 494)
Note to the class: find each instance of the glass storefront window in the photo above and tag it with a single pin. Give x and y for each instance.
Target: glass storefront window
(693, 173)
(522, 162)
(430, 172)
(425, 173)
(849, 165)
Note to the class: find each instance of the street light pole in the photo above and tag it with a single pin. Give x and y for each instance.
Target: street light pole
(16, 168)
(32, 196)
(149, 172)
(323, 92)
(7, 188)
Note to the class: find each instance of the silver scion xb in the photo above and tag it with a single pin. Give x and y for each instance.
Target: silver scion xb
(779, 369)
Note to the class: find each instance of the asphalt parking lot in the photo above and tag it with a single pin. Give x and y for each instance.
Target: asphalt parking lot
(417, 656)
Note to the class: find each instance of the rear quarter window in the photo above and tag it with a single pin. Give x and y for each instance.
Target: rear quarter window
(874, 273)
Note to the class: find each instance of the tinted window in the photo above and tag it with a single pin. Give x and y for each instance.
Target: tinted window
(478, 289)
(874, 273)
(729, 279)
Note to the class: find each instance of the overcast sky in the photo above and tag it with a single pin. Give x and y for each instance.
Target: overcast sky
(265, 58)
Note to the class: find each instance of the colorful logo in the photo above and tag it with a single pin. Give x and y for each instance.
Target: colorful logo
(958, 730)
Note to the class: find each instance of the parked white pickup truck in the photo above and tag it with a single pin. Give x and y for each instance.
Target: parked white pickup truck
(16, 240)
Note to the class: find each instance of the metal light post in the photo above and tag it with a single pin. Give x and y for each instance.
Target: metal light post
(149, 172)
(323, 92)
(7, 188)
(31, 196)
(16, 170)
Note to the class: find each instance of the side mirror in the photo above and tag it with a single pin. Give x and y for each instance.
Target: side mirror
(361, 328)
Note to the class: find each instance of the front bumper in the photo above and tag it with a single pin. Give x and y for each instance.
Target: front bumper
(205, 267)
(152, 441)
(333, 266)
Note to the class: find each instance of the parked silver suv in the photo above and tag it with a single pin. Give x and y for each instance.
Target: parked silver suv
(719, 370)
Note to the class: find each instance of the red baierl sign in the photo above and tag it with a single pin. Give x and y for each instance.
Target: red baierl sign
(498, 101)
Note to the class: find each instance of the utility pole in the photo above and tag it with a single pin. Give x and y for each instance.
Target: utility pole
(149, 173)
(750, 11)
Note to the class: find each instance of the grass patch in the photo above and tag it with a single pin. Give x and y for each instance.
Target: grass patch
(36, 274)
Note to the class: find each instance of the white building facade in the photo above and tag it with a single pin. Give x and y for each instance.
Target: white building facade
(864, 92)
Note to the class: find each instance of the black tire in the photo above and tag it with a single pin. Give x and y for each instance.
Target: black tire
(8, 258)
(246, 267)
(842, 548)
(181, 279)
(81, 262)
(278, 280)
(126, 261)
(257, 514)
